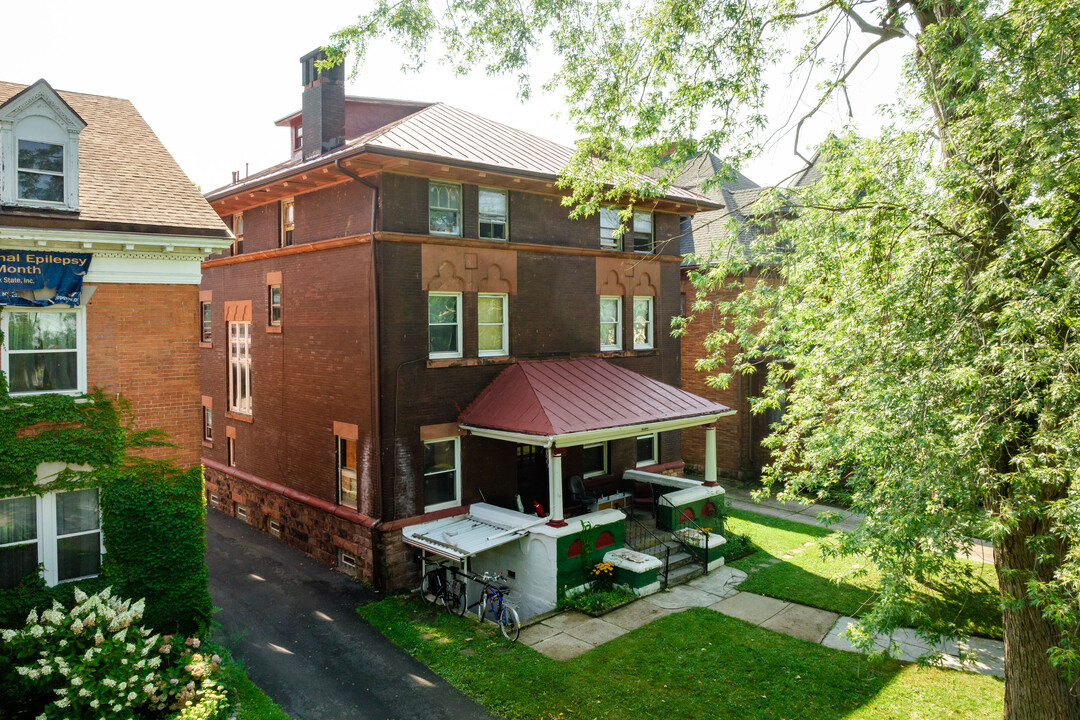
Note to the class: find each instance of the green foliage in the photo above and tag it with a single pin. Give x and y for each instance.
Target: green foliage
(156, 544)
(32, 594)
(596, 601)
(94, 660)
(737, 546)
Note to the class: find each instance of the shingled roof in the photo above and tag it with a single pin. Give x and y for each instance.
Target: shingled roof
(707, 229)
(446, 134)
(127, 179)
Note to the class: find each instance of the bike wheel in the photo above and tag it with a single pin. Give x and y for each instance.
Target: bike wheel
(430, 586)
(454, 599)
(510, 623)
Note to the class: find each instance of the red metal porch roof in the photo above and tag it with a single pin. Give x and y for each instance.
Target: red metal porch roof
(558, 397)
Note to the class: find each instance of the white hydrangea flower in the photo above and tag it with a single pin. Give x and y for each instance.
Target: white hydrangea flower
(131, 696)
(153, 662)
(37, 631)
(77, 627)
(94, 703)
(108, 682)
(32, 618)
(63, 702)
(83, 692)
(122, 686)
(76, 680)
(8, 635)
(80, 596)
(148, 688)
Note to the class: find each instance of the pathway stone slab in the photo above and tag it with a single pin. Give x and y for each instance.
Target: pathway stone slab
(634, 615)
(800, 621)
(681, 597)
(536, 633)
(596, 631)
(988, 656)
(722, 582)
(750, 607)
(910, 642)
(562, 647)
(837, 637)
(565, 620)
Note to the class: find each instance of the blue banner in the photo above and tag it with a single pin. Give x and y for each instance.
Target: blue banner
(22, 272)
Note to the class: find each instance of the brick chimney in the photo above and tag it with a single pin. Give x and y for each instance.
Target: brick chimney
(323, 115)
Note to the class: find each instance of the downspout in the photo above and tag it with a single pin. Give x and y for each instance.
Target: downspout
(376, 409)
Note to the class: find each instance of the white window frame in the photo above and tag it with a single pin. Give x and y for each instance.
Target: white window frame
(230, 451)
(648, 344)
(618, 323)
(604, 468)
(208, 424)
(343, 471)
(206, 323)
(457, 475)
(608, 240)
(652, 231)
(19, 170)
(47, 540)
(241, 362)
(655, 450)
(504, 348)
(288, 225)
(456, 232)
(505, 215)
(270, 305)
(457, 325)
(80, 347)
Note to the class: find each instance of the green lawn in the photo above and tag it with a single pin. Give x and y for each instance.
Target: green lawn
(833, 584)
(694, 664)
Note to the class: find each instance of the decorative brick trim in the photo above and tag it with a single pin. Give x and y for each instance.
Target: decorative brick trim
(207, 401)
(515, 246)
(230, 432)
(346, 431)
(240, 417)
(292, 250)
(238, 311)
(273, 329)
(443, 430)
(273, 278)
(206, 296)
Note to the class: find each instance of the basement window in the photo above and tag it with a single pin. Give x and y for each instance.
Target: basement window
(275, 528)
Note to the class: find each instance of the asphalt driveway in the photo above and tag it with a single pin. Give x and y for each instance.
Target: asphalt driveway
(294, 624)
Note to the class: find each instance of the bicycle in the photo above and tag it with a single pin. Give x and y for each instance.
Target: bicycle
(435, 586)
(504, 615)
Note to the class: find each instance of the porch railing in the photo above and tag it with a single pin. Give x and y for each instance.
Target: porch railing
(643, 540)
(682, 520)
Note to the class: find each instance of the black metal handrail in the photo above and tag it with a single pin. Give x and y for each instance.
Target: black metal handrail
(641, 531)
(680, 521)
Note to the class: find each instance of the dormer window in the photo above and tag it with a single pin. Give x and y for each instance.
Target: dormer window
(298, 138)
(41, 171)
(39, 143)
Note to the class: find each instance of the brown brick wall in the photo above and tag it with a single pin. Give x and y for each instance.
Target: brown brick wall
(142, 341)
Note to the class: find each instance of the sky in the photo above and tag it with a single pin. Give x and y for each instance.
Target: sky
(211, 78)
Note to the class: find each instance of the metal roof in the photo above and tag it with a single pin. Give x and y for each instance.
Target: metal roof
(559, 397)
(485, 527)
(446, 134)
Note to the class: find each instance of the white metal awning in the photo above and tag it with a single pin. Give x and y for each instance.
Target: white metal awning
(461, 536)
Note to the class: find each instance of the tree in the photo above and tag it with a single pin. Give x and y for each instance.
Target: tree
(921, 325)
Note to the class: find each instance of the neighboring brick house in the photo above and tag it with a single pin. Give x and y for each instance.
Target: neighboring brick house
(709, 234)
(403, 258)
(86, 185)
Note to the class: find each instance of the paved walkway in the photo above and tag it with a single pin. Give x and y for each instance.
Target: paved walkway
(293, 623)
(738, 494)
(570, 634)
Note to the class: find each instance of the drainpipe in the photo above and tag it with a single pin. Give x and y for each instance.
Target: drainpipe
(376, 412)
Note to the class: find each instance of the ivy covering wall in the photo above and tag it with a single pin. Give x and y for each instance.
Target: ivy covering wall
(152, 512)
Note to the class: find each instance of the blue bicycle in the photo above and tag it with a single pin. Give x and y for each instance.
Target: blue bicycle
(493, 597)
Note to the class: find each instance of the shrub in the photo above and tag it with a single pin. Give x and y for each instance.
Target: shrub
(737, 546)
(95, 661)
(597, 602)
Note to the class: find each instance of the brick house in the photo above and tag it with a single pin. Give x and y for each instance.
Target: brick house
(390, 339)
(101, 240)
(739, 436)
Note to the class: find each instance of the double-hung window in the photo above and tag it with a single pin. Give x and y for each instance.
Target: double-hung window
(595, 460)
(492, 206)
(643, 232)
(646, 450)
(207, 424)
(610, 323)
(609, 227)
(44, 351)
(288, 222)
(346, 472)
(61, 531)
(240, 367)
(238, 233)
(442, 475)
(206, 332)
(444, 208)
(444, 325)
(492, 325)
(41, 171)
(643, 323)
(273, 303)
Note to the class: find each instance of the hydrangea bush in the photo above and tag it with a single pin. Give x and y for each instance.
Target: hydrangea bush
(95, 661)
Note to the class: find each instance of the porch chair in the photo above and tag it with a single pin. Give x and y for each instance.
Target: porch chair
(579, 495)
(642, 496)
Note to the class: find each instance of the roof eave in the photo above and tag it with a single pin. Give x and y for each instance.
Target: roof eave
(599, 435)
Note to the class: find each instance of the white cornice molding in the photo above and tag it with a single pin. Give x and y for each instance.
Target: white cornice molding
(83, 240)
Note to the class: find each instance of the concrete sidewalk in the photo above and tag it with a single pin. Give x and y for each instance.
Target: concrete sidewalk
(570, 634)
(739, 495)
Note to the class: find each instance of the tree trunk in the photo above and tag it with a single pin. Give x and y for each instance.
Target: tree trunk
(1033, 689)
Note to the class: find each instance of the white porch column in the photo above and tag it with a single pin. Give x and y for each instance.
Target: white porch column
(710, 455)
(554, 457)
